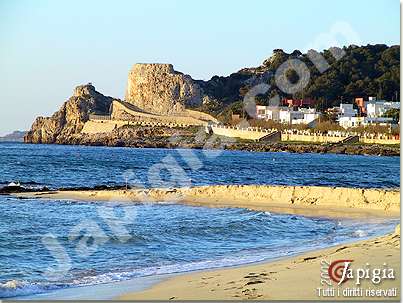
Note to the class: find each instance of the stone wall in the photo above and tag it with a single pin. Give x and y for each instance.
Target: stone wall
(258, 134)
(200, 116)
(379, 141)
(121, 112)
(107, 126)
(123, 115)
(242, 133)
(311, 138)
(100, 126)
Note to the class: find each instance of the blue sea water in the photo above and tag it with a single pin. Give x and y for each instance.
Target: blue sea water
(69, 166)
(38, 236)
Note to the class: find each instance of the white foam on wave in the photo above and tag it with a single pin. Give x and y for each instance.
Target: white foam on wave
(360, 233)
(14, 288)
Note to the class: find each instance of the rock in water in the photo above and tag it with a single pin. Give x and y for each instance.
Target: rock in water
(69, 120)
(159, 89)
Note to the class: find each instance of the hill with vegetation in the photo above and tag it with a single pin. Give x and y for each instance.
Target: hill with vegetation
(362, 71)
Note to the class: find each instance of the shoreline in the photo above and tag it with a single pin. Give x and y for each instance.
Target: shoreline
(149, 287)
(295, 277)
(270, 279)
(364, 149)
(300, 200)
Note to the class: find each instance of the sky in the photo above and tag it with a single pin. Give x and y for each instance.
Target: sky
(49, 47)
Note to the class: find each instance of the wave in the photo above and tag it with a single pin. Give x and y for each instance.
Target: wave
(21, 186)
(360, 233)
(14, 288)
(240, 221)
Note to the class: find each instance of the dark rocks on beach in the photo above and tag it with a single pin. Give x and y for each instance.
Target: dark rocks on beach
(160, 137)
(11, 189)
(349, 149)
(96, 187)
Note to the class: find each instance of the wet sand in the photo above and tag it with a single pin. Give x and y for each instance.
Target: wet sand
(295, 278)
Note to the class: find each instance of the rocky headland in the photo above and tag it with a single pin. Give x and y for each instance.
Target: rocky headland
(154, 92)
(174, 109)
(69, 120)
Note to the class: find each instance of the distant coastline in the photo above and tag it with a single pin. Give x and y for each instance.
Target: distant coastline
(15, 136)
(165, 108)
(291, 147)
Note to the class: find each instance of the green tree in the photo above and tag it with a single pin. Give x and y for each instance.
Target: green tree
(393, 113)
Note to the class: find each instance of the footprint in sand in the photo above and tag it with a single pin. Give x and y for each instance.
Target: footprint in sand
(254, 282)
(251, 293)
(207, 278)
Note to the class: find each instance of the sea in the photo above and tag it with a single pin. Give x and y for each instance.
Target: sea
(48, 246)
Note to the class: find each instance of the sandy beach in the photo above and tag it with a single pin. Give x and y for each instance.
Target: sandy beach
(295, 277)
(302, 200)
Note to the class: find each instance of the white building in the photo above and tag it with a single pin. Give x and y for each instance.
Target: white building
(301, 116)
(375, 111)
(286, 114)
(347, 116)
(290, 116)
(380, 107)
(310, 115)
(268, 112)
(260, 112)
(348, 121)
(347, 110)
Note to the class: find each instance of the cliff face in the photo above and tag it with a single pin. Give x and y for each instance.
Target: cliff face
(69, 120)
(159, 89)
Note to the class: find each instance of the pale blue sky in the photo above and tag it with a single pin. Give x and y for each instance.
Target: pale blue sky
(49, 47)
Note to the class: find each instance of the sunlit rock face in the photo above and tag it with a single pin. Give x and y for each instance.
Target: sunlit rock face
(159, 89)
(70, 118)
